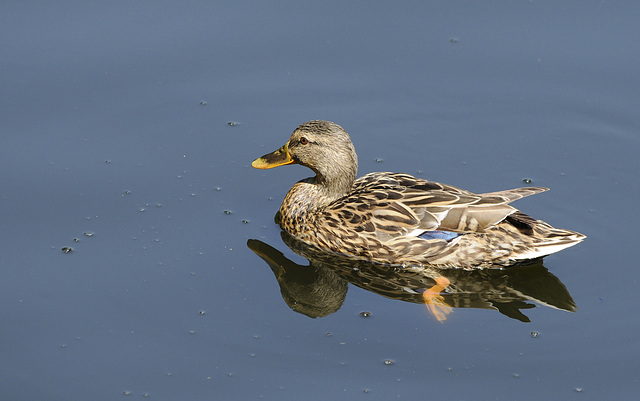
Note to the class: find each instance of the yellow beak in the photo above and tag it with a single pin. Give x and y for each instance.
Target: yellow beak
(278, 158)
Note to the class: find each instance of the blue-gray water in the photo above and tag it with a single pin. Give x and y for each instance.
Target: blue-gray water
(115, 123)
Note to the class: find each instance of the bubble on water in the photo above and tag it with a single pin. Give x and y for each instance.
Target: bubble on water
(527, 180)
(67, 249)
(365, 314)
(88, 234)
(388, 362)
(535, 334)
(227, 212)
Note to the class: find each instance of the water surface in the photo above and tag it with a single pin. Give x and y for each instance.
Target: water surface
(116, 142)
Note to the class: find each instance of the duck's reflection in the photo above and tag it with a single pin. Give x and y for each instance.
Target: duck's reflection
(319, 289)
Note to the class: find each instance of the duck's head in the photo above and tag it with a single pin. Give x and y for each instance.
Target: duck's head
(324, 147)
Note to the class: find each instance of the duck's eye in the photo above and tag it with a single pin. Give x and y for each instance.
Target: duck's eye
(304, 141)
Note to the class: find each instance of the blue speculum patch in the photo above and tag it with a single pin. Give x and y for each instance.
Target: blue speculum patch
(439, 234)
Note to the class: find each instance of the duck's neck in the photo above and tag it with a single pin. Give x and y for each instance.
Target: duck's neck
(314, 193)
(307, 198)
(330, 189)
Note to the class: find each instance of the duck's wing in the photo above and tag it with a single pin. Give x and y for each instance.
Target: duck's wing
(490, 209)
(392, 205)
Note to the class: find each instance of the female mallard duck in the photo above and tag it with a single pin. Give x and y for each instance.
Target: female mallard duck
(397, 218)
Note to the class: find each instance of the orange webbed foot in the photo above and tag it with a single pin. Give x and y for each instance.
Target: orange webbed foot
(435, 302)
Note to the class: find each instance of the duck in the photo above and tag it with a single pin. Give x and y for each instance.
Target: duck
(399, 219)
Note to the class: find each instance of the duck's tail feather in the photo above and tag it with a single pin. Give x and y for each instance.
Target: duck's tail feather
(547, 239)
